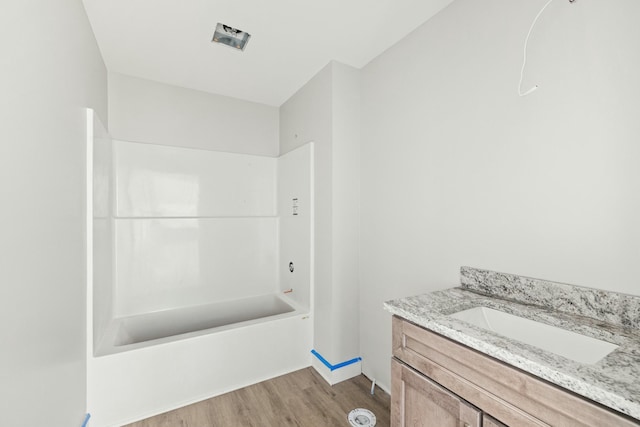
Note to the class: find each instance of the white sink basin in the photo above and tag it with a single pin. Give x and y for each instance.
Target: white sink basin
(565, 343)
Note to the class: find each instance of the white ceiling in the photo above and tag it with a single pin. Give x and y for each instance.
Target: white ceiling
(169, 41)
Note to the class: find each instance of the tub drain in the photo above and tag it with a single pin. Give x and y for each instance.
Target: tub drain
(361, 417)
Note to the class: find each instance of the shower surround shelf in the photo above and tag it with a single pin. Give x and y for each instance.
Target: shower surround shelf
(198, 217)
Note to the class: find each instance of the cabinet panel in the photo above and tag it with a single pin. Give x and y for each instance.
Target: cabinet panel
(417, 401)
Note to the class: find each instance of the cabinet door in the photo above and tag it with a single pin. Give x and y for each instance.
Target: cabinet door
(417, 401)
(488, 421)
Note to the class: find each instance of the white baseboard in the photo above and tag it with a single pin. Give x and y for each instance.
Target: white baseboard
(337, 375)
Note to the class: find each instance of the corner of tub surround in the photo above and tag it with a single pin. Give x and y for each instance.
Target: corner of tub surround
(611, 307)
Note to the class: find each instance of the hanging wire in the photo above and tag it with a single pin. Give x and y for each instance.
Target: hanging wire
(524, 57)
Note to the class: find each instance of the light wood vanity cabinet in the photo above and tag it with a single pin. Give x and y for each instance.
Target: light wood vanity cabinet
(437, 382)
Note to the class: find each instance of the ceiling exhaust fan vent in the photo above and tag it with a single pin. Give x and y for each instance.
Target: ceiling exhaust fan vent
(230, 36)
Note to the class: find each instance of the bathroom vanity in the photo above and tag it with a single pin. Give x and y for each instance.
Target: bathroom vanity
(455, 365)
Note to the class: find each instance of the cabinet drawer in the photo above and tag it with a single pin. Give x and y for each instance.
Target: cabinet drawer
(509, 394)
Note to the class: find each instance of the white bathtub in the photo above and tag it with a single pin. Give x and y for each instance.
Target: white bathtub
(156, 362)
(134, 332)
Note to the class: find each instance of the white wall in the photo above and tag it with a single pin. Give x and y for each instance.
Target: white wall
(459, 170)
(346, 209)
(51, 69)
(307, 117)
(146, 111)
(326, 111)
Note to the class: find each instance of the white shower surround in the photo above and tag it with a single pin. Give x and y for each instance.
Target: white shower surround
(192, 227)
(232, 214)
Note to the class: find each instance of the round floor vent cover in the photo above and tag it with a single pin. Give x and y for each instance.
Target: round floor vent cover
(361, 417)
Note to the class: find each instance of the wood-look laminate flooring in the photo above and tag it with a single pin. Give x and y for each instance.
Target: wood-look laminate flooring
(301, 398)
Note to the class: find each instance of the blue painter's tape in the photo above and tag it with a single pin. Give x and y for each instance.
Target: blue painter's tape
(86, 420)
(322, 359)
(347, 363)
(339, 365)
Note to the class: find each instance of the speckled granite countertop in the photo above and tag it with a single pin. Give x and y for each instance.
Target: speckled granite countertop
(613, 381)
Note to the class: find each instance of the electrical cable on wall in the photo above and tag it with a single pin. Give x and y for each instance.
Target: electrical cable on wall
(526, 43)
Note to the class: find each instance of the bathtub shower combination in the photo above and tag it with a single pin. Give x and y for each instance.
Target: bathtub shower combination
(200, 269)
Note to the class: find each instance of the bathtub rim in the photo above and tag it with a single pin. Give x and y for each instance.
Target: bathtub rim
(106, 345)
